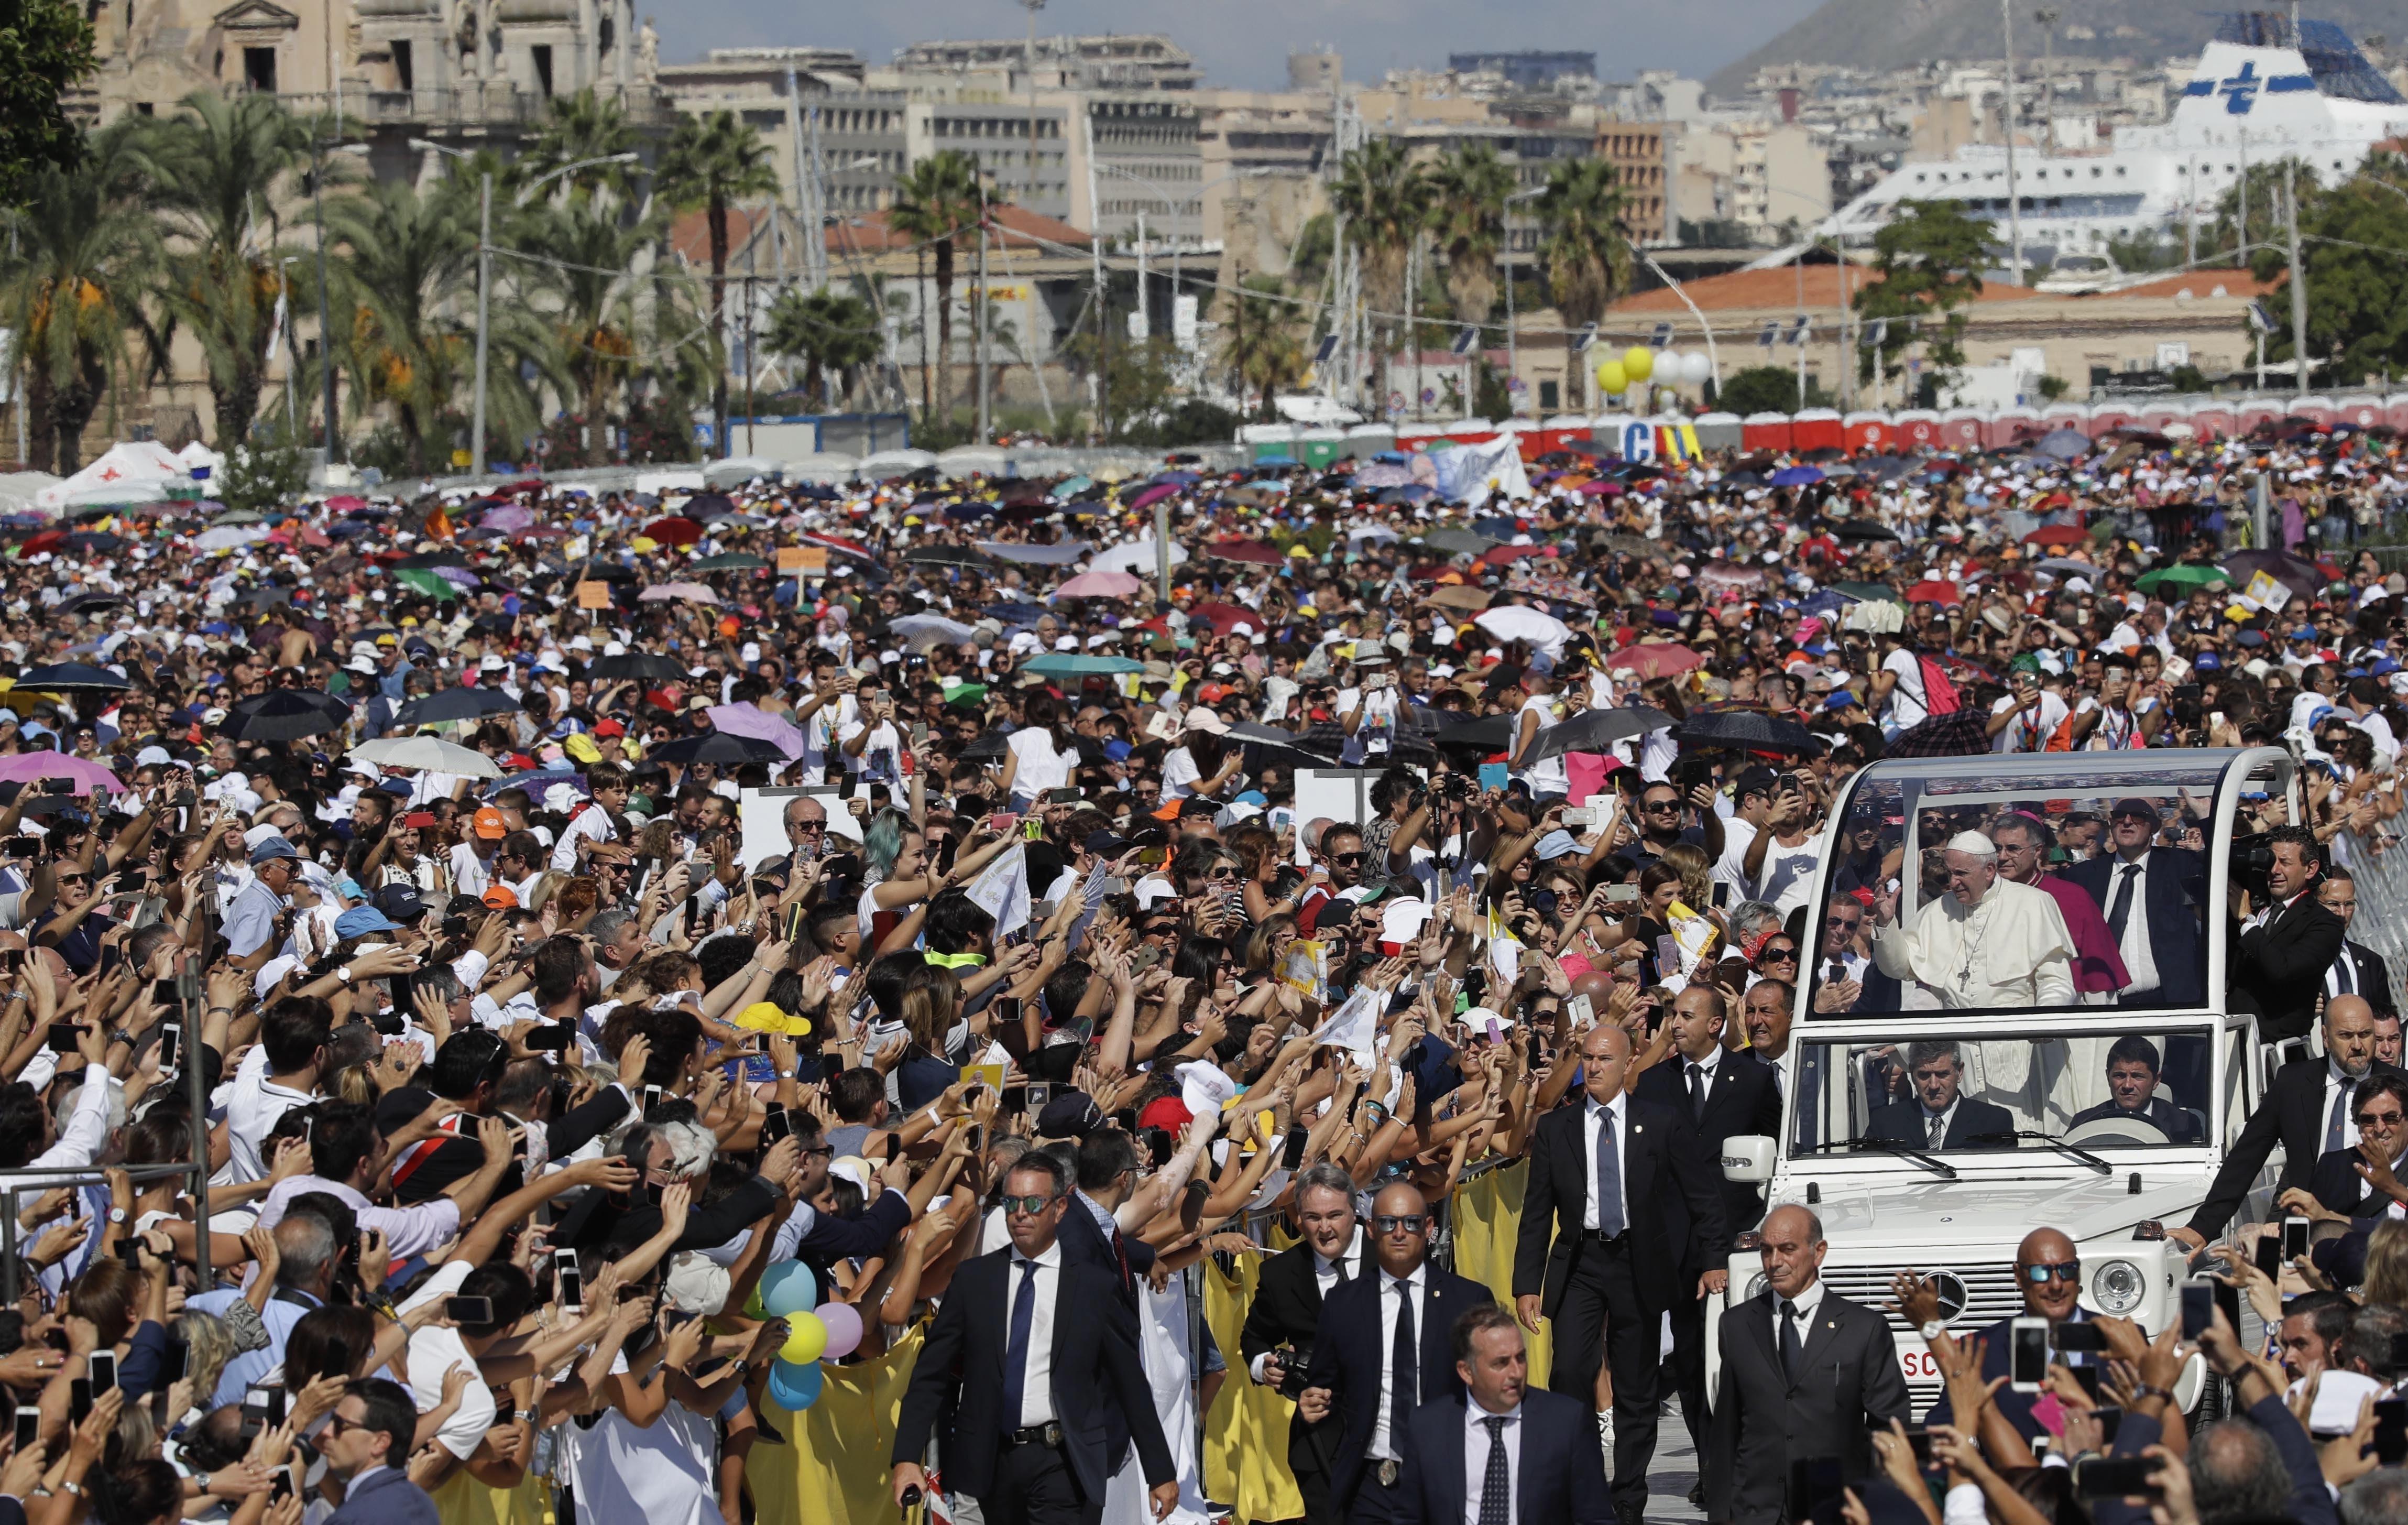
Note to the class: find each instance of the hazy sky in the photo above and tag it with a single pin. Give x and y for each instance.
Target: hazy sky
(1246, 42)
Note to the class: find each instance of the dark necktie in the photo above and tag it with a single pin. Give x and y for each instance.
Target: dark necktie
(1697, 1090)
(1793, 1351)
(2121, 911)
(1404, 1380)
(1015, 1353)
(1496, 1485)
(1120, 1251)
(2344, 974)
(1608, 1177)
(2340, 1112)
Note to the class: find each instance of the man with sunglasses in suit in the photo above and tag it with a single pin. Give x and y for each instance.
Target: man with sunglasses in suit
(2048, 1274)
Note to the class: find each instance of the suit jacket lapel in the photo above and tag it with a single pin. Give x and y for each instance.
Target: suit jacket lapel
(1819, 1336)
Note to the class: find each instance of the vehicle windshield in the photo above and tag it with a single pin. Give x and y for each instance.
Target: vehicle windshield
(1949, 1096)
(2094, 892)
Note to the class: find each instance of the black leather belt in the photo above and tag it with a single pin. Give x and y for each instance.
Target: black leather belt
(1048, 1435)
(1598, 1236)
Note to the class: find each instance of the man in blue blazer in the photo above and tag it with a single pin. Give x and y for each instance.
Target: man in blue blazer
(1540, 1447)
(1384, 1350)
(366, 1444)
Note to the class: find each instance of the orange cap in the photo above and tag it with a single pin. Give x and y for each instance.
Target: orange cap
(488, 822)
(501, 897)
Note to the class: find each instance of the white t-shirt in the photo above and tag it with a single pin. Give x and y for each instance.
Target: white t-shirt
(1180, 775)
(2023, 733)
(1376, 732)
(434, 1352)
(1906, 700)
(876, 762)
(1547, 777)
(1042, 768)
(820, 732)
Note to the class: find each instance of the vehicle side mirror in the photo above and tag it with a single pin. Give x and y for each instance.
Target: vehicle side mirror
(1747, 1159)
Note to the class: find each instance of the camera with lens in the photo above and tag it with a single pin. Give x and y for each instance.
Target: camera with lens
(2250, 857)
(1293, 1359)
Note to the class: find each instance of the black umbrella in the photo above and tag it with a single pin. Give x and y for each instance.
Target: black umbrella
(285, 714)
(1751, 729)
(426, 561)
(644, 667)
(946, 556)
(93, 539)
(261, 597)
(702, 506)
(1598, 730)
(1863, 530)
(64, 677)
(726, 748)
(1960, 733)
(93, 603)
(1489, 733)
(1459, 541)
(989, 746)
(605, 571)
(2301, 577)
(451, 704)
(1269, 742)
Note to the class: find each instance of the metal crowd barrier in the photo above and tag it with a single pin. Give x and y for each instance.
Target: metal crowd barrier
(18, 1184)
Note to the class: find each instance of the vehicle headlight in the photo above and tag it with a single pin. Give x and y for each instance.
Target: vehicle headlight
(2119, 1287)
(1756, 1284)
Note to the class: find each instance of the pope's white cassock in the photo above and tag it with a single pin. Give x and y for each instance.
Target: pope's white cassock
(2011, 949)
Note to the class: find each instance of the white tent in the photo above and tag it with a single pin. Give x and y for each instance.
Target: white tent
(138, 472)
(200, 460)
(18, 490)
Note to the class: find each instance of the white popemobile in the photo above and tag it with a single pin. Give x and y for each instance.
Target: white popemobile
(2033, 1134)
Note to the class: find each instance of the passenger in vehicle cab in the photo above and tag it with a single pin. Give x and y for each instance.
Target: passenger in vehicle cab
(2048, 1275)
(2132, 1071)
(1982, 944)
(2023, 848)
(2153, 900)
(1942, 1115)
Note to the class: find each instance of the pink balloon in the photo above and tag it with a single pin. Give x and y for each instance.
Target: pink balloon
(843, 1323)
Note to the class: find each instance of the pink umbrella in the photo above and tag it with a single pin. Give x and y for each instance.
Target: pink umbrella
(745, 720)
(509, 517)
(25, 766)
(1152, 496)
(1099, 585)
(693, 593)
(345, 503)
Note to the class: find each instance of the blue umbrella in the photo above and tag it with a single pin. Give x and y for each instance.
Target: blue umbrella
(1261, 461)
(976, 507)
(1179, 478)
(536, 783)
(1016, 614)
(1796, 476)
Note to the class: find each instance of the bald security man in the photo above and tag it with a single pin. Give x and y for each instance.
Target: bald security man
(2048, 1274)
(1601, 1251)
(1806, 1374)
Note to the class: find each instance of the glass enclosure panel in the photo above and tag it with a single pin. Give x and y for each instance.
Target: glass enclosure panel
(1970, 1095)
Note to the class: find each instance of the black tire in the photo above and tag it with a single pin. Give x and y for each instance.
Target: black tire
(2214, 1403)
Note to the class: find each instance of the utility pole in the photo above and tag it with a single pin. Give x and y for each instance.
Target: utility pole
(986, 322)
(484, 288)
(325, 324)
(1412, 309)
(2047, 16)
(1096, 251)
(2190, 214)
(1143, 329)
(1028, 66)
(2014, 197)
(2298, 282)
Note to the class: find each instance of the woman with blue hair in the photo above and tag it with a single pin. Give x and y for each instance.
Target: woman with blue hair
(901, 878)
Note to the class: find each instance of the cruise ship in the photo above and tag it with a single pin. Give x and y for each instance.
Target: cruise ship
(2264, 89)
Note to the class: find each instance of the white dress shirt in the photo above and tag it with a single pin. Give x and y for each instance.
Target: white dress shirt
(1383, 1445)
(1475, 1460)
(1711, 1062)
(1037, 1385)
(2334, 1081)
(1806, 1303)
(1621, 1116)
(2139, 963)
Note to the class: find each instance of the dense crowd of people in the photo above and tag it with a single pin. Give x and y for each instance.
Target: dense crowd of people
(554, 917)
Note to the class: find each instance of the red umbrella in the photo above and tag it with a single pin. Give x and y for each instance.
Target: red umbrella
(1224, 618)
(2058, 534)
(1656, 661)
(49, 539)
(1501, 555)
(532, 485)
(1934, 592)
(673, 531)
(1253, 550)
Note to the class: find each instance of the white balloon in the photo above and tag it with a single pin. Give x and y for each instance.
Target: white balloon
(1698, 366)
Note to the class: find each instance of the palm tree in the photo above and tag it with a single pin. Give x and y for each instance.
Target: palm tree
(939, 200)
(1585, 247)
(1467, 191)
(582, 127)
(405, 256)
(217, 169)
(712, 162)
(84, 251)
(586, 306)
(826, 330)
(1384, 198)
(1263, 346)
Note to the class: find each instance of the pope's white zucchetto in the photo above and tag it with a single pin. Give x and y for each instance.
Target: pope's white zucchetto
(1973, 843)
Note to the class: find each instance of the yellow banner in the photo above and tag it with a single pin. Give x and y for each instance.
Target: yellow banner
(1485, 1216)
(833, 1468)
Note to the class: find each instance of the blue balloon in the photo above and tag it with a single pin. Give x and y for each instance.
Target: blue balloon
(794, 1387)
(788, 1288)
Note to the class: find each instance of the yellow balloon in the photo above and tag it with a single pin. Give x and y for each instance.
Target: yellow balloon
(1638, 361)
(806, 1339)
(1610, 376)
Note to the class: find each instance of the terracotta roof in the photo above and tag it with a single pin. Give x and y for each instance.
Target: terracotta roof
(1016, 228)
(1778, 289)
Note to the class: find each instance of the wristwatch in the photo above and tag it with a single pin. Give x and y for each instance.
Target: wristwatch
(117, 1215)
(343, 973)
(1933, 1329)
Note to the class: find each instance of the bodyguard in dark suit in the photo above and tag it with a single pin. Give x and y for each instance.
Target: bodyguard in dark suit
(1284, 1321)
(2306, 1109)
(2280, 953)
(1107, 1176)
(1937, 1071)
(1385, 1349)
(2154, 900)
(1597, 1254)
(1503, 1453)
(2048, 1275)
(1725, 1094)
(368, 1446)
(1806, 1374)
(2360, 971)
(1031, 1360)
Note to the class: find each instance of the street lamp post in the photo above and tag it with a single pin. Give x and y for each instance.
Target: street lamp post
(1170, 204)
(317, 147)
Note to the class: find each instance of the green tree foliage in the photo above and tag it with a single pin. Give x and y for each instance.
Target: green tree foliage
(2354, 242)
(577, 130)
(1467, 212)
(1768, 389)
(1384, 198)
(714, 162)
(1262, 338)
(1931, 257)
(938, 203)
(402, 257)
(2144, 252)
(1584, 244)
(263, 471)
(45, 48)
(828, 331)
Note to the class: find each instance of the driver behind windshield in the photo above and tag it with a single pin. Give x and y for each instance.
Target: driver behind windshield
(2132, 1070)
(1942, 1115)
